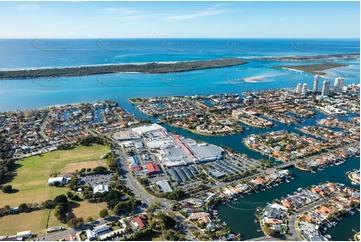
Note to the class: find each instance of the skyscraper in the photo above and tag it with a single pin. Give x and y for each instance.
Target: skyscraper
(304, 89)
(338, 85)
(315, 83)
(325, 88)
(299, 88)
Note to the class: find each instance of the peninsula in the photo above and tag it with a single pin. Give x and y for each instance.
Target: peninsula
(312, 68)
(153, 68)
(352, 56)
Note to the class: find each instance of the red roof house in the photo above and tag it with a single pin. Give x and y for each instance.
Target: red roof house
(141, 221)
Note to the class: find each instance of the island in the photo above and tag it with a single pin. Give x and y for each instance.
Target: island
(312, 68)
(352, 56)
(152, 68)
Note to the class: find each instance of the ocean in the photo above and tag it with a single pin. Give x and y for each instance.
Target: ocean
(256, 75)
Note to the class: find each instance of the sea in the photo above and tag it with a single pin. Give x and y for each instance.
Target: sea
(256, 75)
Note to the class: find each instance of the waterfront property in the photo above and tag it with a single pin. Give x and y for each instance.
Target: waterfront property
(306, 212)
(207, 115)
(354, 176)
(285, 146)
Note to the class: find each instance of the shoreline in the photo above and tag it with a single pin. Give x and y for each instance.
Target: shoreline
(204, 134)
(147, 68)
(353, 179)
(316, 69)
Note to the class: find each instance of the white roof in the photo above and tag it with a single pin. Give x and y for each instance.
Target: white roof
(24, 233)
(55, 179)
(164, 185)
(147, 128)
(100, 188)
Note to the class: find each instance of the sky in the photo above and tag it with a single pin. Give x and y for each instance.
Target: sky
(179, 19)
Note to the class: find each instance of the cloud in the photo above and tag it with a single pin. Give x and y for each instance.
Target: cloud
(127, 14)
(213, 10)
(122, 11)
(24, 7)
(135, 17)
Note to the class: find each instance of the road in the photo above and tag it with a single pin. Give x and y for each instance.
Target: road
(148, 199)
(293, 232)
(61, 234)
(264, 238)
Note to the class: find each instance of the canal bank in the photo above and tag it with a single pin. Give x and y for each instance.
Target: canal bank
(238, 214)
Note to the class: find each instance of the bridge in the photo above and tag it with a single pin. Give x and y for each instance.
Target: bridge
(286, 165)
(264, 238)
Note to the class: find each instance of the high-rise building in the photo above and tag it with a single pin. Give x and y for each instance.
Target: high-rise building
(304, 89)
(325, 88)
(299, 88)
(315, 83)
(338, 85)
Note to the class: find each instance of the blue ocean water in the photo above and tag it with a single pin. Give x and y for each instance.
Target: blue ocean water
(256, 75)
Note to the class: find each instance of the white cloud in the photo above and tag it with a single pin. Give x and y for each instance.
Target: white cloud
(122, 11)
(202, 13)
(135, 17)
(24, 7)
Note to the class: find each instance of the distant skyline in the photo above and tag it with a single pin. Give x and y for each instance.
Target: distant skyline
(180, 19)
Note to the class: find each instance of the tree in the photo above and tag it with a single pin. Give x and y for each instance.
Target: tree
(112, 198)
(269, 231)
(99, 169)
(121, 207)
(23, 207)
(174, 195)
(74, 222)
(48, 204)
(89, 219)
(70, 195)
(7, 188)
(164, 221)
(61, 199)
(73, 183)
(60, 212)
(103, 213)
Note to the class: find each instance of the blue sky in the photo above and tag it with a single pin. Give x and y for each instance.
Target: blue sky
(179, 19)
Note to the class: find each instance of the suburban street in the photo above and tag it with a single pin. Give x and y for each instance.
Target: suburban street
(293, 232)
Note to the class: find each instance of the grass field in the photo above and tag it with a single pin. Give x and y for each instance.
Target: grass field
(31, 179)
(87, 209)
(33, 173)
(36, 220)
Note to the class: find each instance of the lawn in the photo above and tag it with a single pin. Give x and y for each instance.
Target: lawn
(87, 209)
(34, 221)
(33, 173)
(31, 182)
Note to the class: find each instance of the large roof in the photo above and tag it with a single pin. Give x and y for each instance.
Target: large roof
(152, 167)
(147, 128)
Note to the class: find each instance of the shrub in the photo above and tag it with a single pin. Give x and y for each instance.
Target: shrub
(7, 188)
(103, 213)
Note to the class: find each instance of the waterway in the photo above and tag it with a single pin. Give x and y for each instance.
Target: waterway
(240, 214)
(36, 93)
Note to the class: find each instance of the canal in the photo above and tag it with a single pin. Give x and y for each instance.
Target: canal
(240, 214)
